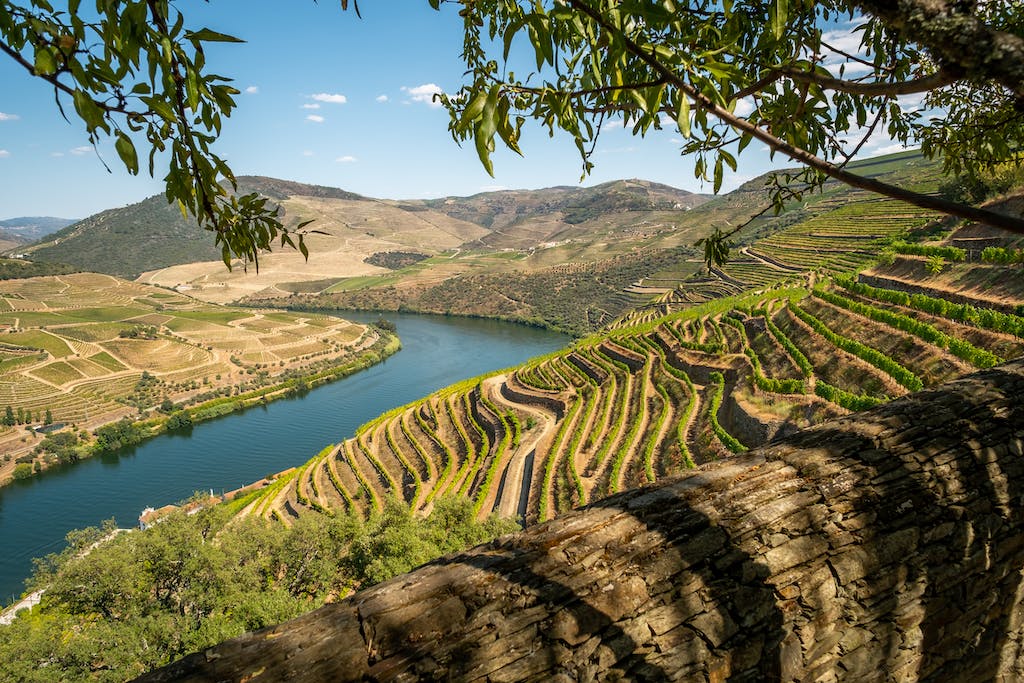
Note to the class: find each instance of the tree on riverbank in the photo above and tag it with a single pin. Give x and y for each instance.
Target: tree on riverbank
(141, 599)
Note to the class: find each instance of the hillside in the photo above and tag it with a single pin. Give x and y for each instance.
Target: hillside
(351, 231)
(652, 398)
(87, 349)
(640, 403)
(606, 267)
(32, 228)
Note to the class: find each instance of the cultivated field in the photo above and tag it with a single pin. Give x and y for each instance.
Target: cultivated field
(92, 348)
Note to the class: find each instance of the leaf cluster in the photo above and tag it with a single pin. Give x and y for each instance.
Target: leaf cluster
(131, 70)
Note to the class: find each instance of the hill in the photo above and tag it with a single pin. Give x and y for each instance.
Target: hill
(33, 228)
(610, 264)
(640, 403)
(351, 231)
(659, 394)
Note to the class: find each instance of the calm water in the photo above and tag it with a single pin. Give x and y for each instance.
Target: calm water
(238, 449)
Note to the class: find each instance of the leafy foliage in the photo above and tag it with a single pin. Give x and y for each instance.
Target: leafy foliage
(644, 63)
(116, 606)
(132, 70)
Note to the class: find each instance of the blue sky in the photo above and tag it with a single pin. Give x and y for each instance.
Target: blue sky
(330, 99)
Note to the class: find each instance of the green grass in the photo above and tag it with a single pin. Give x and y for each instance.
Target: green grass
(37, 339)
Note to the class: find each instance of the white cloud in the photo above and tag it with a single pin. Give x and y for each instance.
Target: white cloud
(8, 117)
(424, 93)
(888, 149)
(492, 188)
(307, 153)
(333, 98)
(252, 90)
(347, 159)
(79, 151)
(382, 98)
(56, 155)
(744, 107)
(4, 153)
(311, 105)
(315, 119)
(844, 41)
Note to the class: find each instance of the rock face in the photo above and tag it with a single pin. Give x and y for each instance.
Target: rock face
(887, 545)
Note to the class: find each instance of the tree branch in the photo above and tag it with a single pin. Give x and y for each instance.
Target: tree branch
(1011, 223)
(956, 37)
(938, 79)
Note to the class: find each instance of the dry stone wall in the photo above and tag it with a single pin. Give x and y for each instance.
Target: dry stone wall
(884, 546)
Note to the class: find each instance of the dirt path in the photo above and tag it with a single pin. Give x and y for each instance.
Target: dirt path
(514, 485)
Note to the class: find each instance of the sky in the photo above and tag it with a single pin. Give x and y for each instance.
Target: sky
(330, 99)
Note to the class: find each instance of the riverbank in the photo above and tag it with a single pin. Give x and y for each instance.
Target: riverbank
(536, 323)
(106, 436)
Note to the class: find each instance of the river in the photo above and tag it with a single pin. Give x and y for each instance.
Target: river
(228, 452)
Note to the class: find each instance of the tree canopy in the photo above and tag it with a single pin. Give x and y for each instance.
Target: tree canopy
(724, 73)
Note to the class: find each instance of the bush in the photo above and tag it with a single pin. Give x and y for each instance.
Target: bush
(22, 470)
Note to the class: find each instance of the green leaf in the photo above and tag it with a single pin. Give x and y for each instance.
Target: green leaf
(126, 150)
(46, 62)
(778, 15)
(683, 115)
(209, 36)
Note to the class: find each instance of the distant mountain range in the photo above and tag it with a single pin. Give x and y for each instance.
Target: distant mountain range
(152, 234)
(32, 228)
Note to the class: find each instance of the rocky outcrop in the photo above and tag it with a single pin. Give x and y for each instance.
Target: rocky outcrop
(887, 545)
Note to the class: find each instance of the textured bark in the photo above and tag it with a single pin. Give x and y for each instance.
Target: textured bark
(887, 545)
(956, 38)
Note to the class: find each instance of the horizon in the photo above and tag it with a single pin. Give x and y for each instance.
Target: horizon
(372, 130)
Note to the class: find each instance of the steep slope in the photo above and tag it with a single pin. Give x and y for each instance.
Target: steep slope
(613, 263)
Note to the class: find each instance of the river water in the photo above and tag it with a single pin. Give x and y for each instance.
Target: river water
(235, 450)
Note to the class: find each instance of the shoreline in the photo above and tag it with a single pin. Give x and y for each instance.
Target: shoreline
(387, 344)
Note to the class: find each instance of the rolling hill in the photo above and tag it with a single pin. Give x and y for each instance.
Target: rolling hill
(154, 239)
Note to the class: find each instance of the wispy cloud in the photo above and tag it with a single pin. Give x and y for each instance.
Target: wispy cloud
(315, 119)
(4, 153)
(492, 188)
(744, 107)
(8, 117)
(887, 149)
(382, 98)
(347, 159)
(252, 90)
(307, 152)
(79, 151)
(311, 105)
(424, 93)
(56, 155)
(332, 98)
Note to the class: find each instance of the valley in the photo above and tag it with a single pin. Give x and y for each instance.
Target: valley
(841, 304)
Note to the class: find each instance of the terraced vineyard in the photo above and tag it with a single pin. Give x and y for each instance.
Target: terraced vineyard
(649, 399)
(842, 238)
(92, 348)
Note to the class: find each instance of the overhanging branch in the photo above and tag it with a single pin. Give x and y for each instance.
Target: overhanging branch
(999, 220)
